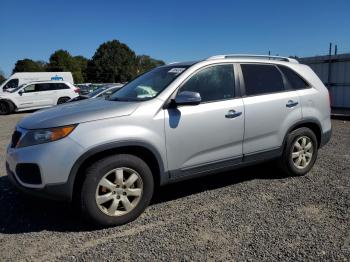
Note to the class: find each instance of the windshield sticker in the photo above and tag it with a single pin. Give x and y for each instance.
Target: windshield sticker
(176, 70)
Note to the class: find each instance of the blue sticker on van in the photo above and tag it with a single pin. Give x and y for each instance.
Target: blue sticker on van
(57, 78)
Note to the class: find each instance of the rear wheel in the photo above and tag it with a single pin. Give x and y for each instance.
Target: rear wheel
(6, 107)
(116, 190)
(300, 152)
(62, 100)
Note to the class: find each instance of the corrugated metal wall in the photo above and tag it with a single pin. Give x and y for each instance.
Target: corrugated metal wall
(339, 84)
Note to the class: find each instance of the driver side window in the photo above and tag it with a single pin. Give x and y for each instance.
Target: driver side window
(213, 83)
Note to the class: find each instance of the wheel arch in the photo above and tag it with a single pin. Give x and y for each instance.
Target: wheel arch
(60, 97)
(140, 149)
(310, 123)
(10, 102)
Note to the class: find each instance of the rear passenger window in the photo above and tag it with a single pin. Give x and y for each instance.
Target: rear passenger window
(295, 81)
(261, 79)
(212, 83)
(42, 87)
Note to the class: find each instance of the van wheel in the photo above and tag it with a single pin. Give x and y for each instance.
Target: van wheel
(116, 190)
(300, 152)
(6, 107)
(62, 100)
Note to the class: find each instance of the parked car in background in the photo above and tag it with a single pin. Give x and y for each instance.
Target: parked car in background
(84, 89)
(88, 88)
(172, 123)
(35, 95)
(18, 79)
(104, 91)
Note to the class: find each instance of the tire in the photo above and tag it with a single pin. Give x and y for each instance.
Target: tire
(62, 100)
(6, 107)
(293, 153)
(107, 169)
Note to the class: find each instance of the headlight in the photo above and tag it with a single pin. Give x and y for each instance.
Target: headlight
(40, 136)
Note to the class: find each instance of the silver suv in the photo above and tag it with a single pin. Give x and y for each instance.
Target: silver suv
(172, 123)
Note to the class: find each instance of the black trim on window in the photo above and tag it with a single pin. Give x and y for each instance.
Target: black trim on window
(288, 84)
(237, 91)
(242, 83)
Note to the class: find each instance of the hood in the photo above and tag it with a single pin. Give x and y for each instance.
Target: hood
(77, 112)
(4, 94)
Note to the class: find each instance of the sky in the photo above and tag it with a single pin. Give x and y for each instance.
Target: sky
(172, 30)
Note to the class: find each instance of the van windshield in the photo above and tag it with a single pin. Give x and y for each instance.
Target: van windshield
(16, 89)
(149, 85)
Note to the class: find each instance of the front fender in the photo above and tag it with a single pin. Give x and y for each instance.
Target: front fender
(110, 146)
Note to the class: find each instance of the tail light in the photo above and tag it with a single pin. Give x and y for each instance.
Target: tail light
(77, 90)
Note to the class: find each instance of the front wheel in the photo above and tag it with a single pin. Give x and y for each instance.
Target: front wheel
(116, 190)
(5, 107)
(300, 152)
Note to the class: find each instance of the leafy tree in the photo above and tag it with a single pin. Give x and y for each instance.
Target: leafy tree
(2, 77)
(28, 65)
(82, 62)
(113, 61)
(146, 63)
(61, 60)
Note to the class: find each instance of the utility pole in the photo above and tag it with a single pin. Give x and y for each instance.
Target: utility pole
(329, 65)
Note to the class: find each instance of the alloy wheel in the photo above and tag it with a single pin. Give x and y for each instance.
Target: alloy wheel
(119, 191)
(302, 152)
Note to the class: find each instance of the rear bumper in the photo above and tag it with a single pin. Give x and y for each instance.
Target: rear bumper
(326, 137)
(60, 192)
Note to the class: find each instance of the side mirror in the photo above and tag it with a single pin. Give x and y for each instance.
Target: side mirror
(20, 92)
(188, 98)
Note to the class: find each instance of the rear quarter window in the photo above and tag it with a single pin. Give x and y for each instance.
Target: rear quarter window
(294, 80)
(62, 86)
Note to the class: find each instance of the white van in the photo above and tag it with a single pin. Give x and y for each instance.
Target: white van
(18, 79)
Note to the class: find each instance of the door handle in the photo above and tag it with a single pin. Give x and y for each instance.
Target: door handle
(232, 114)
(291, 103)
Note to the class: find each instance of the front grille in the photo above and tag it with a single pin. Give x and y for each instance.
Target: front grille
(15, 138)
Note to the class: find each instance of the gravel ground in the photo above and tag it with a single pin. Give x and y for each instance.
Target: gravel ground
(249, 214)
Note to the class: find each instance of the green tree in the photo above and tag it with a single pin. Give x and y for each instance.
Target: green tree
(146, 63)
(61, 61)
(2, 77)
(113, 61)
(82, 62)
(28, 65)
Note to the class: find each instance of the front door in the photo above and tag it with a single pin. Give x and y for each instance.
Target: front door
(207, 136)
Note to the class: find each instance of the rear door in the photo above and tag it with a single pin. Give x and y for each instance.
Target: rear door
(47, 93)
(270, 107)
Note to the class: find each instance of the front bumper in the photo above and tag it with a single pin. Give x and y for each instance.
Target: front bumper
(55, 192)
(54, 161)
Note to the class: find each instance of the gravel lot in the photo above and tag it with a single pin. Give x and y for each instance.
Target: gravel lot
(249, 214)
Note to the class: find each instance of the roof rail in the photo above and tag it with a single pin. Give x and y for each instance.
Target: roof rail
(280, 58)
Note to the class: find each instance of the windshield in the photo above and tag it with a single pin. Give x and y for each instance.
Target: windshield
(148, 85)
(16, 89)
